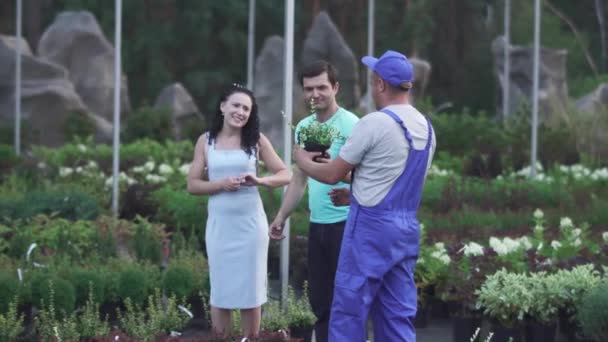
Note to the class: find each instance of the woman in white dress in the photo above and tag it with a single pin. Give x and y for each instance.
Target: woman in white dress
(236, 235)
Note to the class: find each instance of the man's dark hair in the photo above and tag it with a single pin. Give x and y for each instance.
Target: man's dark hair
(317, 68)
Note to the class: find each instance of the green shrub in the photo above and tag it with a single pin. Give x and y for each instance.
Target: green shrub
(182, 211)
(9, 287)
(178, 281)
(8, 158)
(147, 241)
(88, 284)
(78, 124)
(196, 264)
(11, 323)
(132, 283)
(71, 205)
(144, 324)
(593, 313)
(147, 122)
(44, 286)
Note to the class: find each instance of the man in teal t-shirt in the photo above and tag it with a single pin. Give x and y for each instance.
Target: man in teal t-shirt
(327, 216)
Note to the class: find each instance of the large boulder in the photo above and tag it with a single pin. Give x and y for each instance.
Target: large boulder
(176, 99)
(75, 41)
(268, 89)
(592, 123)
(553, 86)
(324, 41)
(47, 94)
(422, 75)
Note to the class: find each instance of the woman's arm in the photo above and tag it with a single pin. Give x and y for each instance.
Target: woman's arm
(196, 184)
(280, 173)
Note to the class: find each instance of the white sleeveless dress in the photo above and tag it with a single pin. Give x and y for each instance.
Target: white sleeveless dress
(236, 235)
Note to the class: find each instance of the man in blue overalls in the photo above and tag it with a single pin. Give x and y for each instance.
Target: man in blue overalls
(389, 152)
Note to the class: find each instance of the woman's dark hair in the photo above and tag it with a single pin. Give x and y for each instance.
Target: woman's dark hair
(250, 134)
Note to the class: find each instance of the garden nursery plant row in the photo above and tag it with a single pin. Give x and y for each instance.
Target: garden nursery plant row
(501, 253)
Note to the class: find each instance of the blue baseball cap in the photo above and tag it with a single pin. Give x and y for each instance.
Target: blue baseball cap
(393, 67)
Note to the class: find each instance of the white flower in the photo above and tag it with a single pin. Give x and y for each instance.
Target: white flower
(79, 169)
(538, 214)
(165, 169)
(540, 246)
(472, 249)
(65, 171)
(445, 259)
(576, 232)
(498, 246)
(92, 165)
(184, 169)
(42, 165)
(149, 166)
(440, 245)
(556, 244)
(577, 242)
(539, 228)
(605, 236)
(565, 222)
(138, 169)
(525, 243)
(155, 179)
(81, 148)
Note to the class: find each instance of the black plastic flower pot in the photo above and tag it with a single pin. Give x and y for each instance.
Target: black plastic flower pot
(315, 147)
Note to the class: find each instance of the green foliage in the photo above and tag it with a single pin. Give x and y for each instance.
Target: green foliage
(49, 324)
(317, 134)
(89, 285)
(68, 204)
(156, 318)
(9, 287)
(178, 281)
(273, 317)
(78, 124)
(148, 123)
(182, 211)
(133, 284)
(8, 158)
(60, 236)
(11, 323)
(52, 292)
(299, 312)
(196, 264)
(592, 314)
(89, 324)
(147, 240)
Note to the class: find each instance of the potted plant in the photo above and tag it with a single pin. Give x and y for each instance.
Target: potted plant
(299, 314)
(318, 136)
(592, 313)
(506, 299)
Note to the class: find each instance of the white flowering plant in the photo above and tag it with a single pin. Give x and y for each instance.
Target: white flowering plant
(432, 266)
(568, 243)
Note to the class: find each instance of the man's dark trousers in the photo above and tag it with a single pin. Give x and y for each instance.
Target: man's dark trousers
(324, 241)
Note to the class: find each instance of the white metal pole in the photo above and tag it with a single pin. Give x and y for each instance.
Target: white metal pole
(117, 82)
(287, 96)
(251, 44)
(370, 49)
(18, 80)
(507, 60)
(534, 152)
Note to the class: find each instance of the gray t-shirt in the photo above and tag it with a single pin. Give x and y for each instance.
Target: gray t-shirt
(378, 148)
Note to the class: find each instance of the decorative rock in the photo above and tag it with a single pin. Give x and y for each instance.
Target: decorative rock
(75, 41)
(179, 102)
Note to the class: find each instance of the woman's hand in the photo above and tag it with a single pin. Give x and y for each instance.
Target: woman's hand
(251, 180)
(231, 183)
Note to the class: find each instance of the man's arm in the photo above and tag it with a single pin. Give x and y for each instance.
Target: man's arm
(293, 195)
(328, 173)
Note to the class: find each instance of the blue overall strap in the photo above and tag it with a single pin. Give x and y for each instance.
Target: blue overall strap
(397, 119)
